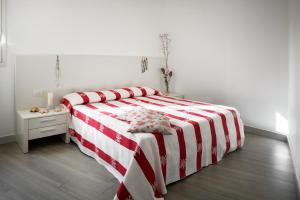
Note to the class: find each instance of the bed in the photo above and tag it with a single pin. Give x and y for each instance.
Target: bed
(144, 163)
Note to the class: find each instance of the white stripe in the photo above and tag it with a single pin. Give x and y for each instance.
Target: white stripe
(189, 134)
(121, 153)
(229, 119)
(92, 154)
(109, 146)
(93, 96)
(135, 181)
(204, 125)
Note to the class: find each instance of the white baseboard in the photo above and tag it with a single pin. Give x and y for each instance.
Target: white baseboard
(7, 139)
(266, 133)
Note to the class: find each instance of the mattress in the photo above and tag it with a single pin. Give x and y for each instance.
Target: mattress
(144, 163)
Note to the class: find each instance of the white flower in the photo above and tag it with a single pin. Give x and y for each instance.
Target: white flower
(214, 151)
(163, 160)
(75, 113)
(118, 139)
(101, 128)
(199, 147)
(87, 119)
(186, 120)
(227, 138)
(182, 164)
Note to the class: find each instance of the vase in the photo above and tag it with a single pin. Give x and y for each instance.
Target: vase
(167, 86)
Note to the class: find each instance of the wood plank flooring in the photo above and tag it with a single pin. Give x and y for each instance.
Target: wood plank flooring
(54, 170)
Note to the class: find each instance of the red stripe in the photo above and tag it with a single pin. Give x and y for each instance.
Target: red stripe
(158, 136)
(162, 152)
(122, 193)
(182, 151)
(118, 95)
(144, 92)
(127, 143)
(236, 122)
(105, 112)
(68, 105)
(166, 101)
(193, 123)
(225, 128)
(213, 134)
(160, 142)
(102, 96)
(237, 128)
(181, 141)
(212, 128)
(131, 94)
(185, 100)
(156, 92)
(147, 169)
(128, 103)
(101, 154)
(147, 102)
(111, 105)
(197, 135)
(91, 106)
(84, 97)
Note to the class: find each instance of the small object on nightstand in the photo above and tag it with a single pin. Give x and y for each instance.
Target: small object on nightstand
(44, 110)
(31, 126)
(57, 109)
(34, 109)
(50, 100)
(175, 95)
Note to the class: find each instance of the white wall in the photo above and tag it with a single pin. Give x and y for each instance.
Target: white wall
(294, 89)
(97, 27)
(79, 73)
(105, 27)
(233, 52)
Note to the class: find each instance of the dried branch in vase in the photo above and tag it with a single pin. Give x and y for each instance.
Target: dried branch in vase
(167, 74)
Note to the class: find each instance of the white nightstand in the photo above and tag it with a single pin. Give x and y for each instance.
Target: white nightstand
(175, 95)
(31, 126)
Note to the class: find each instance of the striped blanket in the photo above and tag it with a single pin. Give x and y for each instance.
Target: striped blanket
(144, 163)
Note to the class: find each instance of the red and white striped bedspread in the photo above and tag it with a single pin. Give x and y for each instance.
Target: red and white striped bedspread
(145, 163)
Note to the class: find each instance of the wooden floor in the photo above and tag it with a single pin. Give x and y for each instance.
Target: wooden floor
(54, 170)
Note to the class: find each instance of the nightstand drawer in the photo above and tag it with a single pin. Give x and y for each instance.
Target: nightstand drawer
(47, 131)
(47, 121)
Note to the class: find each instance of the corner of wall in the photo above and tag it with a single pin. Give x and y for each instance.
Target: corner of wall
(297, 174)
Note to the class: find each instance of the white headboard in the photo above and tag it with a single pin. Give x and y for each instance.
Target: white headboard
(35, 75)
